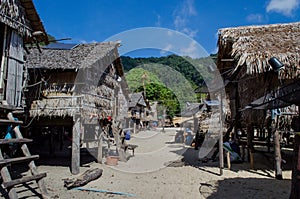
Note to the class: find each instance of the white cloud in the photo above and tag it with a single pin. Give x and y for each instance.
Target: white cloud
(190, 32)
(182, 16)
(255, 18)
(82, 41)
(170, 33)
(158, 20)
(285, 7)
(168, 48)
(215, 51)
(190, 51)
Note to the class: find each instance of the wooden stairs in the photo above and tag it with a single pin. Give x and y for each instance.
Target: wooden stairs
(7, 182)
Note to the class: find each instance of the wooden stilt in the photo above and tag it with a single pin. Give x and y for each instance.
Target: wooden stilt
(75, 164)
(100, 151)
(228, 160)
(250, 133)
(251, 159)
(278, 170)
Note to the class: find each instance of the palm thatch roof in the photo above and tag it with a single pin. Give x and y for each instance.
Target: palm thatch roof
(22, 16)
(136, 99)
(95, 66)
(77, 57)
(253, 46)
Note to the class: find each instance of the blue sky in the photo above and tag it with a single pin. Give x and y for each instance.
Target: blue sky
(95, 20)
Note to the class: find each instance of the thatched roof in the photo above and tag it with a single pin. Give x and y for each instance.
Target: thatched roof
(95, 83)
(136, 99)
(76, 57)
(191, 109)
(253, 46)
(22, 16)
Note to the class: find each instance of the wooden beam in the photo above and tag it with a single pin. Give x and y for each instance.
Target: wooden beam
(2, 121)
(17, 140)
(227, 60)
(23, 180)
(5, 162)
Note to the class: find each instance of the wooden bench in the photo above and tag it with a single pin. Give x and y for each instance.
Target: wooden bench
(131, 147)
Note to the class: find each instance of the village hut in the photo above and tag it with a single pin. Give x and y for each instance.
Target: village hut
(71, 88)
(137, 108)
(244, 57)
(245, 52)
(19, 25)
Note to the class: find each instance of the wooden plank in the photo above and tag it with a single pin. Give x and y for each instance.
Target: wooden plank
(31, 165)
(3, 121)
(17, 140)
(5, 162)
(23, 180)
(3, 65)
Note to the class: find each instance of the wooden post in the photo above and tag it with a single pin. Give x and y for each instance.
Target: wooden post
(100, 152)
(164, 120)
(278, 170)
(250, 145)
(134, 126)
(295, 188)
(75, 164)
(221, 151)
(196, 124)
(228, 160)
(3, 65)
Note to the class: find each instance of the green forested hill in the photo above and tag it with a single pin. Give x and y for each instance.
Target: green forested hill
(192, 69)
(170, 80)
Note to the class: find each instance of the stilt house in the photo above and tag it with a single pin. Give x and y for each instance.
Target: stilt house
(68, 85)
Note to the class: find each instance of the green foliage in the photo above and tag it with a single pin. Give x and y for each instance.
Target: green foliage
(170, 80)
(135, 78)
(194, 70)
(163, 95)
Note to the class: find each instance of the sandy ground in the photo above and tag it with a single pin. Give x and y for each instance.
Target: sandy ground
(164, 169)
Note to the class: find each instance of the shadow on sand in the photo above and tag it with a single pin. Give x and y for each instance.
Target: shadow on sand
(246, 188)
(263, 186)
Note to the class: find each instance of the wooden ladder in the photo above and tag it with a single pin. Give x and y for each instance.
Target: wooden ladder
(9, 183)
